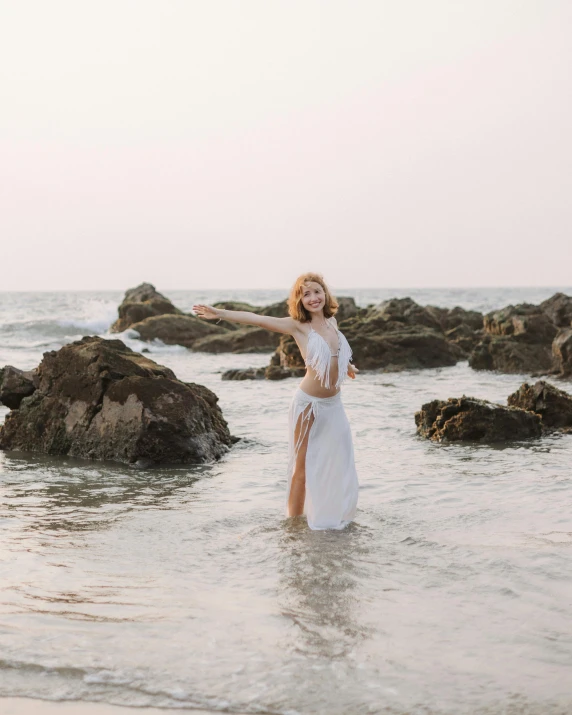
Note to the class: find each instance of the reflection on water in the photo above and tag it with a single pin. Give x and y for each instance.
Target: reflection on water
(319, 577)
(79, 495)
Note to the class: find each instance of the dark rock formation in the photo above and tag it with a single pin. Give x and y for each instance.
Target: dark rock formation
(347, 308)
(100, 400)
(245, 340)
(15, 385)
(288, 354)
(450, 318)
(271, 372)
(518, 339)
(277, 372)
(405, 311)
(467, 418)
(510, 355)
(562, 353)
(552, 404)
(559, 309)
(395, 335)
(182, 330)
(526, 322)
(248, 373)
(140, 303)
(275, 310)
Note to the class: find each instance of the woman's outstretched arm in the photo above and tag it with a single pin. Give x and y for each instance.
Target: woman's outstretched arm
(277, 325)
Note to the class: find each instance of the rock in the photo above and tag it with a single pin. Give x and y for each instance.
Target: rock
(377, 343)
(277, 372)
(245, 340)
(518, 339)
(451, 318)
(562, 352)
(552, 404)
(347, 308)
(248, 373)
(405, 311)
(288, 354)
(182, 330)
(468, 418)
(465, 337)
(380, 341)
(15, 385)
(140, 303)
(526, 322)
(276, 310)
(510, 355)
(98, 399)
(559, 309)
(235, 305)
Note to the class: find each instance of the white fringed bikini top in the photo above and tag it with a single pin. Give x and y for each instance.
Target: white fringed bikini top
(318, 357)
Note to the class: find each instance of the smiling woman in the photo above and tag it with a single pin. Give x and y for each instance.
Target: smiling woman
(321, 474)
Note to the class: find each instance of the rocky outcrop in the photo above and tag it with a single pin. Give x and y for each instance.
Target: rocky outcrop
(526, 322)
(518, 339)
(272, 372)
(558, 308)
(510, 355)
(468, 418)
(247, 373)
(182, 330)
(244, 340)
(395, 335)
(405, 311)
(98, 399)
(15, 385)
(552, 404)
(140, 303)
(394, 345)
(562, 353)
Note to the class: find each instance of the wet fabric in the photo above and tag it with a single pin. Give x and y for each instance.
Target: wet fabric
(331, 478)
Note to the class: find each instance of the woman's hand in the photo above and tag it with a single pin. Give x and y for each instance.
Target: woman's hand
(207, 312)
(352, 371)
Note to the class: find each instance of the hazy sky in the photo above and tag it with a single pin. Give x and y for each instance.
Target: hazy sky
(238, 143)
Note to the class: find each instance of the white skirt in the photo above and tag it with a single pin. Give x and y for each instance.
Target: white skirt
(331, 478)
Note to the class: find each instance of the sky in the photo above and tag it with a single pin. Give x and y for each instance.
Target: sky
(239, 143)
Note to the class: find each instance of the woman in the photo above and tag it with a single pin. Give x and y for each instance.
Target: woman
(322, 479)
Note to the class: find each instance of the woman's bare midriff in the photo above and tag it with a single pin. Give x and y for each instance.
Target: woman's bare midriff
(311, 384)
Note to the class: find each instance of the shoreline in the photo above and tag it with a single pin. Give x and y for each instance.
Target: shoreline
(34, 706)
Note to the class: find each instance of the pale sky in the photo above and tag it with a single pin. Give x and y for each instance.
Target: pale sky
(238, 143)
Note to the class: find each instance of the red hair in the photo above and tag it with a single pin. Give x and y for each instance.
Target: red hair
(296, 308)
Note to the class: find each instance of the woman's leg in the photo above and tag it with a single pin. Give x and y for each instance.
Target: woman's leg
(297, 494)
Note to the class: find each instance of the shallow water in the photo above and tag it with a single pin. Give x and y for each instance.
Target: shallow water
(186, 587)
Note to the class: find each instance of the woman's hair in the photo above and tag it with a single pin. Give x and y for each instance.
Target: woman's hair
(296, 309)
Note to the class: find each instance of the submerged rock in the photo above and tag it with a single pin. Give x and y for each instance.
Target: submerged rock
(15, 385)
(140, 303)
(552, 404)
(468, 418)
(98, 399)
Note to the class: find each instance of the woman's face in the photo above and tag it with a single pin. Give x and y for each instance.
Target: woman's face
(313, 297)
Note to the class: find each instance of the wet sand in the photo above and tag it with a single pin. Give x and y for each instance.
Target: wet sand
(30, 706)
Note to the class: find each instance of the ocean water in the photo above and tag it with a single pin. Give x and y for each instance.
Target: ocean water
(187, 587)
